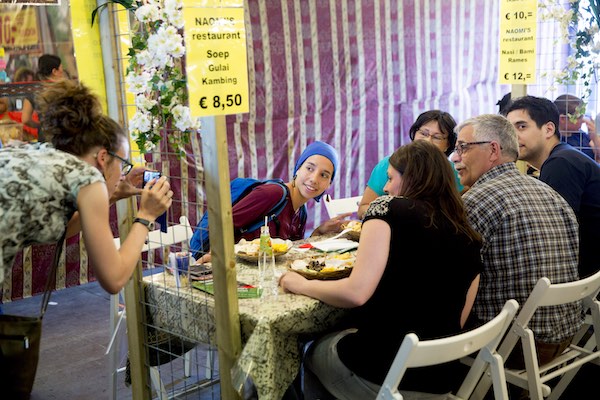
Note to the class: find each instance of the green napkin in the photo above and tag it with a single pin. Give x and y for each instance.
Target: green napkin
(244, 291)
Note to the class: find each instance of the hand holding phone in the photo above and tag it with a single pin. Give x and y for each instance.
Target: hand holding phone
(150, 175)
(162, 219)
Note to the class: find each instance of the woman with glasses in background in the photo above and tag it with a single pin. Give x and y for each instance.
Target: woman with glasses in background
(69, 183)
(434, 126)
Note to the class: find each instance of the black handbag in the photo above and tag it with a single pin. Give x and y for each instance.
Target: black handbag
(20, 343)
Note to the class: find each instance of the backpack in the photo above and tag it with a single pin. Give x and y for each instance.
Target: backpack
(240, 187)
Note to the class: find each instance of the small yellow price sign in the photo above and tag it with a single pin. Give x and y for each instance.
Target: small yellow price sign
(518, 41)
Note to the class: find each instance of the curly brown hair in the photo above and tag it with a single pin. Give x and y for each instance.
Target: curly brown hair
(427, 176)
(72, 119)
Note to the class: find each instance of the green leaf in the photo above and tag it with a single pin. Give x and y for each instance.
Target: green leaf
(127, 4)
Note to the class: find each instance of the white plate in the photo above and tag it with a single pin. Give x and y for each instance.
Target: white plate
(248, 249)
(339, 245)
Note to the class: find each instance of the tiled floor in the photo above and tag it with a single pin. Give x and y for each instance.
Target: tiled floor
(75, 336)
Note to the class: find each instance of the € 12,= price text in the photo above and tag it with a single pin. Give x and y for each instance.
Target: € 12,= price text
(517, 76)
(221, 102)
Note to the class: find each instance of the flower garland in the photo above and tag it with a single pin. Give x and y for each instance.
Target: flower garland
(579, 24)
(155, 75)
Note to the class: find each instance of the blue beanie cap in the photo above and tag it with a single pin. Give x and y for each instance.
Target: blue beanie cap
(321, 149)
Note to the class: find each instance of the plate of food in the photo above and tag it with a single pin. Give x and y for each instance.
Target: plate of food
(353, 228)
(328, 267)
(248, 249)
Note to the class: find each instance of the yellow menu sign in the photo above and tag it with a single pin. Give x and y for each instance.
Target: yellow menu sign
(216, 66)
(18, 27)
(518, 41)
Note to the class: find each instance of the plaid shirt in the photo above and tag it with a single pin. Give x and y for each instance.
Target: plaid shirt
(529, 232)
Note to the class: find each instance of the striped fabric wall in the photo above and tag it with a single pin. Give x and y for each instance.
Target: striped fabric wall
(356, 74)
(353, 73)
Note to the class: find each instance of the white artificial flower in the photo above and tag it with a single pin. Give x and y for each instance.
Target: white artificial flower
(183, 120)
(172, 40)
(141, 122)
(143, 102)
(165, 44)
(177, 50)
(147, 13)
(173, 13)
(144, 57)
(160, 58)
(177, 20)
(138, 82)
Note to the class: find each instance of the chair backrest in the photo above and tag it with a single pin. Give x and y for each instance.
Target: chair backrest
(341, 206)
(415, 353)
(180, 233)
(545, 293)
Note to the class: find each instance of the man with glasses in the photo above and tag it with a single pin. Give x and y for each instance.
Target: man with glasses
(529, 231)
(568, 171)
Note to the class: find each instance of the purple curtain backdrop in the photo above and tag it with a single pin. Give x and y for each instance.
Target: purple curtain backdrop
(353, 73)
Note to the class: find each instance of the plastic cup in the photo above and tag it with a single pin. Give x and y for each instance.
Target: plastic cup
(182, 262)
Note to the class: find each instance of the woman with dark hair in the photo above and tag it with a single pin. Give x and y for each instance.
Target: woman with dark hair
(390, 295)
(49, 69)
(68, 184)
(434, 126)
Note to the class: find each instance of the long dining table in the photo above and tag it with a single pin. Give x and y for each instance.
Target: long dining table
(273, 328)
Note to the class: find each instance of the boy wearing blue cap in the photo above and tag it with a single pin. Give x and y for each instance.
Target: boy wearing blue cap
(313, 173)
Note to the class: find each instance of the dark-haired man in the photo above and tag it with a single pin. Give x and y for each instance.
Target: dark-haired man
(571, 173)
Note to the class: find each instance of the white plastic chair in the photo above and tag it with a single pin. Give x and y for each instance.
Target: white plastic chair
(535, 376)
(414, 353)
(341, 206)
(157, 239)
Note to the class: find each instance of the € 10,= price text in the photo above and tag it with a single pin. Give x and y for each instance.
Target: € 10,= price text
(221, 102)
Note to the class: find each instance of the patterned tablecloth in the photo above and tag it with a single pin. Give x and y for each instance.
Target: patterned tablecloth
(271, 328)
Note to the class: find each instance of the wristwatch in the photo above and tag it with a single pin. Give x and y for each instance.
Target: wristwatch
(145, 222)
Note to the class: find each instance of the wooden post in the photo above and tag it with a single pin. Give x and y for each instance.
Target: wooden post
(140, 386)
(216, 173)
(515, 92)
(136, 337)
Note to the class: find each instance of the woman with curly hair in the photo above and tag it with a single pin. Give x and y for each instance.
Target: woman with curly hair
(69, 183)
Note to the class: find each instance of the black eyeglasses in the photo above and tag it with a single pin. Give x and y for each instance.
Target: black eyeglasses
(462, 147)
(435, 137)
(126, 166)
